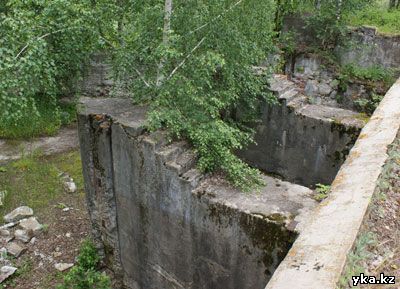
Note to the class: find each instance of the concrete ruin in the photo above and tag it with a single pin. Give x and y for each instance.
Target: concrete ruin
(160, 223)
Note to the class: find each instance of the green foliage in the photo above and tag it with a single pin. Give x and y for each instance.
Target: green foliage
(84, 275)
(322, 192)
(369, 105)
(204, 72)
(42, 47)
(387, 21)
(372, 73)
(357, 257)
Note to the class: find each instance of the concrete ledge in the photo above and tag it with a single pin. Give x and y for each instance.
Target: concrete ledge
(318, 256)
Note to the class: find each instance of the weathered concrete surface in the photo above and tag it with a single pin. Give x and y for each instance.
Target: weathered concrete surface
(365, 46)
(303, 143)
(65, 140)
(317, 258)
(97, 78)
(162, 225)
(369, 48)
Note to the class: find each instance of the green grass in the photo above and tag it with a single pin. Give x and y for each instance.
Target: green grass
(34, 180)
(378, 15)
(48, 123)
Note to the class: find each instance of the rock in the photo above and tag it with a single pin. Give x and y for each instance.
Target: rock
(31, 224)
(57, 254)
(66, 209)
(68, 235)
(15, 250)
(63, 266)
(324, 89)
(311, 88)
(5, 272)
(5, 233)
(33, 241)
(8, 226)
(70, 186)
(3, 254)
(18, 214)
(23, 235)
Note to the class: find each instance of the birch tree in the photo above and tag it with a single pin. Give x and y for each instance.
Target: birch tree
(192, 62)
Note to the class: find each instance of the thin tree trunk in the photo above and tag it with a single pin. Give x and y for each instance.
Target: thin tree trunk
(339, 4)
(166, 31)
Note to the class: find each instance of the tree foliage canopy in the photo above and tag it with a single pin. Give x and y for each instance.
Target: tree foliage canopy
(191, 61)
(198, 73)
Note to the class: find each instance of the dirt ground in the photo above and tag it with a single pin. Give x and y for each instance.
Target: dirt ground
(58, 243)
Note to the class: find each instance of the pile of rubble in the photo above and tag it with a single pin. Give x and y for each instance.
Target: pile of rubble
(20, 231)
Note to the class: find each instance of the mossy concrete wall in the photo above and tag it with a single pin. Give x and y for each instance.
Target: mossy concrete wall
(161, 224)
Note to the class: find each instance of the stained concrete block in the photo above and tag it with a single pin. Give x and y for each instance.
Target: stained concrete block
(163, 223)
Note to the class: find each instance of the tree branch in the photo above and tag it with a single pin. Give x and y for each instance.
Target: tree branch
(142, 77)
(187, 57)
(38, 38)
(216, 18)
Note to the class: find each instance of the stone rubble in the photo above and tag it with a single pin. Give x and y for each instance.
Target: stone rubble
(63, 266)
(69, 184)
(31, 224)
(6, 271)
(26, 230)
(23, 235)
(18, 214)
(15, 249)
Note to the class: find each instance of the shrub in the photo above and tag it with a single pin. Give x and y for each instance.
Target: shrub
(84, 274)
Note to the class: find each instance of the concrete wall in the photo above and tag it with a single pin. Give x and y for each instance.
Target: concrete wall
(161, 225)
(301, 142)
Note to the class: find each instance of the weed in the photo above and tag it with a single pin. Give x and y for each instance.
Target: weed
(357, 257)
(85, 275)
(322, 192)
(368, 105)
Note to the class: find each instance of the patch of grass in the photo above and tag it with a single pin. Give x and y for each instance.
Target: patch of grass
(356, 258)
(378, 15)
(34, 180)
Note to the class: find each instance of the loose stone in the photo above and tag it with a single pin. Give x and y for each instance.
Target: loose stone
(5, 272)
(63, 266)
(23, 235)
(18, 214)
(31, 224)
(15, 250)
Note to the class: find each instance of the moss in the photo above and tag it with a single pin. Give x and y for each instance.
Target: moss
(271, 237)
(267, 233)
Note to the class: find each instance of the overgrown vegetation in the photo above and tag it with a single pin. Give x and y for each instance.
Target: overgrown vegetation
(192, 62)
(197, 72)
(85, 274)
(356, 258)
(377, 14)
(34, 180)
(42, 47)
